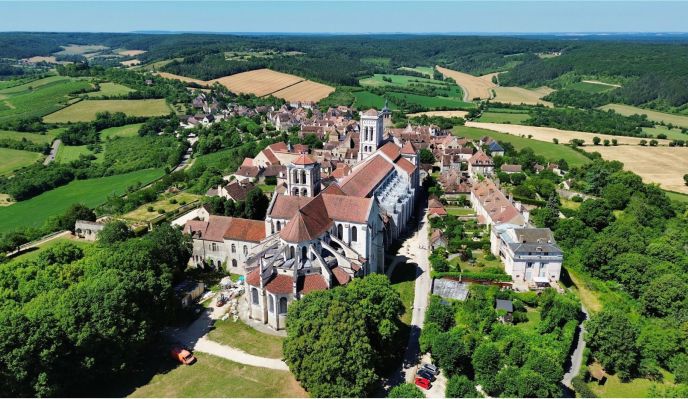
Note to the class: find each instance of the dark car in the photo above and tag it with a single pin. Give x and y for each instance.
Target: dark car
(426, 374)
(431, 368)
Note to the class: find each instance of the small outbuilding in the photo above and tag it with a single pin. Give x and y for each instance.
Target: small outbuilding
(188, 291)
(507, 307)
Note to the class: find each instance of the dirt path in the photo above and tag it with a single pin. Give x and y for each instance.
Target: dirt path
(39, 242)
(576, 359)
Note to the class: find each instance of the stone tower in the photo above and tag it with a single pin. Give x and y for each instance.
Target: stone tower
(303, 177)
(371, 133)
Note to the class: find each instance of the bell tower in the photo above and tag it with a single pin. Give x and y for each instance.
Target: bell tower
(372, 127)
(303, 177)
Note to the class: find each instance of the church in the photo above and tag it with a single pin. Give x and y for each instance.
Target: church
(319, 236)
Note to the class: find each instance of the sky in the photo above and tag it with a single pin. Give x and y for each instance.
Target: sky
(333, 16)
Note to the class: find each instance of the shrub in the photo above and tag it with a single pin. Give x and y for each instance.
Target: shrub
(150, 209)
(582, 388)
(173, 201)
(161, 211)
(406, 391)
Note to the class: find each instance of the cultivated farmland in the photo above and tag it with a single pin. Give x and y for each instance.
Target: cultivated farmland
(121, 131)
(38, 98)
(260, 82)
(167, 75)
(663, 165)
(446, 114)
(131, 53)
(473, 86)
(92, 192)
(85, 111)
(15, 159)
(32, 137)
(656, 116)
(305, 91)
(519, 95)
(549, 133)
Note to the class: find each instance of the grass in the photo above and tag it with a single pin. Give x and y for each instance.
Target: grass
(34, 253)
(266, 188)
(424, 70)
(108, 89)
(85, 111)
(399, 80)
(567, 203)
(551, 151)
(403, 280)
(655, 116)
(121, 131)
(141, 214)
(635, 388)
(38, 98)
(366, 99)
(433, 102)
(534, 318)
(672, 134)
(590, 87)
(239, 335)
(677, 196)
(503, 117)
(212, 377)
(92, 192)
(32, 137)
(15, 159)
(459, 211)
(69, 153)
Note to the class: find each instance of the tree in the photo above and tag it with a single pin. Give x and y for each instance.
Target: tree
(596, 214)
(571, 232)
(596, 140)
(13, 240)
(426, 156)
(74, 213)
(666, 296)
(459, 386)
(550, 214)
(612, 338)
(440, 314)
(406, 391)
(685, 179)
(256, 204)
(452, 350)
(114, 232)
(486, 362)
(62, 253)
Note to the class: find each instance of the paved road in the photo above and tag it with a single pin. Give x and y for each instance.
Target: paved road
(53, 151)
(577, 355)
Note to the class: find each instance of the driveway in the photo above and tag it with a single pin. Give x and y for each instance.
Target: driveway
(53, 152)
(576, 359)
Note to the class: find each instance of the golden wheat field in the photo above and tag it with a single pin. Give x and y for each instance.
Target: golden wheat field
(167, 75)
(131, 53)
(662, 165)
(305, 91)
(260, 82)
(519, 95)
(473, 86)
(549, 134)
(446, 114)
(129, 63)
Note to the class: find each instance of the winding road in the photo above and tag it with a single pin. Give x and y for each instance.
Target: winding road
(577, 355)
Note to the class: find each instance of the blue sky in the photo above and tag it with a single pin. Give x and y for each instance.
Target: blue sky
(333, 16)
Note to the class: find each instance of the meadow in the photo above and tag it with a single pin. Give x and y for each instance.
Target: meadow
(503, 117)
(365, 99)
(671, 134)
(32, 137)
(445, 114)
(91, 192)
(15, 159)
(38, 98)
(141, 214)
(69, 153)
(424, 70)
(431, 102)
(121, 131)
(85, 111)
(377, 80)
(108, 89)
(519, 95)
(656, 116)
(549, 150)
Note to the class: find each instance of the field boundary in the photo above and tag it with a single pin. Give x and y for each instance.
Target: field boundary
(285, 87)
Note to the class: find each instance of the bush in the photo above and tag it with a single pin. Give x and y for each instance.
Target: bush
(173, 201)
(406, 391)
(577, 198)
(161, 211)
(582, 388)
(150, 209)
(459, 386)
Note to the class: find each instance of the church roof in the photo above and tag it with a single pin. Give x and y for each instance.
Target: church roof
(303, 227)
(363, 180)
(408, 148)
(285, 206)
(303, 159)
(371, 112)
(310, 283)
(391, 150)
(406, 165)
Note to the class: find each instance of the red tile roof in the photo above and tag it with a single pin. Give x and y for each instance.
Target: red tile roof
(346, 209)
(408, 148)
(363, 180)
(340, 275)
(310, 283)
(285, 206)
(406, 165)
(305, 227)
(270, 156)
(333, 189)
(391, 150)
(253, 277)
(480, 159)
(371, 112)
(280, 284)
(341, 171)
(245, 230)
(303, 159)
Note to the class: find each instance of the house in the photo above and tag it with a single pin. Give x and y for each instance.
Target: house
(480, 164)
(450, 289)
(529, 254)
(87, 230)
(436, 209)
(495, 149)
(279, 154)
(511, 168)
(437, 239)
(236, 190)
(507, 307)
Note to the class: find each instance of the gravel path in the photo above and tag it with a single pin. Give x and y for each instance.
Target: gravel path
(577, 355)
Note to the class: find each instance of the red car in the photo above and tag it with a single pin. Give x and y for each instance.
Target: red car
(422, 382)
(182, 355)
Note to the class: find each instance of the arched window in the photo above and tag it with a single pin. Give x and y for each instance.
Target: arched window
(340, 231)
(283, 305)
(303, 176)
(279, 226)
(291, 252)
(295, 191)
(233, 248)
(234, 263)
(271, 304)
(245, 250)
(354, 234)
(295, 176)
(304, 192)
(254, 296)
(303, 253)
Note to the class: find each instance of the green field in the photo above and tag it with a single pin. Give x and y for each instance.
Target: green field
(108, 89)
(32, 137)
(656, 116)
(591, 87)
(366, 99)
(121, 131)
(433, 102)
(85, 111)
(398, 80)
(141, 214)
(15, 159)
(238, 335)
(214, 377)
(677, 196)
(635, 388)
(424, 70)
(69, 153)
(672, 134)
(38, 98)
(33, 212)
(551, 151)
(503, 117)
(35, 252)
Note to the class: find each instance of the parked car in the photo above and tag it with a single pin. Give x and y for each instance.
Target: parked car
(422, 382)
(182, 355)
(426, 374)
(431, 368)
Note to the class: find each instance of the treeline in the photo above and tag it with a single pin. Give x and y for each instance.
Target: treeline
(641, 253)
(82, 133)
(578, 99)
(604, 122)
(25, 145)
(73, 319)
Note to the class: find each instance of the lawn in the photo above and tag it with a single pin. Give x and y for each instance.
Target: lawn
(676, 196)
(239, 335)
(403, 280)
(15, 159)
(656, 116)
(38, 98)
(85, 111)
(32, 137)
(108, 89)
(35, 252)
(534, 318)
(214, 377)
(635, 388)
(591, 87)
(266, 188)
(141, 214)
(366, 99)
(503, 117)
(69, 153)
(551, 151)
(121, 131)
(567, 203)
(33, 212)
(455, 211)
(433, 102)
